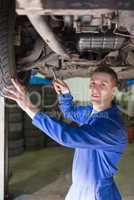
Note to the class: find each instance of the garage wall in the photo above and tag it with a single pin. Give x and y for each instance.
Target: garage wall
(79, 88)
(126, 100)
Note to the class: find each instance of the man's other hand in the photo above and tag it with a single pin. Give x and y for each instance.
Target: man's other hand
(60, 87)
(18, 93)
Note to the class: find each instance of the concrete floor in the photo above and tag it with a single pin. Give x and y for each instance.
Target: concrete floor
(46, 174)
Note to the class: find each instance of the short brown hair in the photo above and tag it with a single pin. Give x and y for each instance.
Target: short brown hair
(107, 70)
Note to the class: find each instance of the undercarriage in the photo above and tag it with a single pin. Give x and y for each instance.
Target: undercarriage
(74, 38)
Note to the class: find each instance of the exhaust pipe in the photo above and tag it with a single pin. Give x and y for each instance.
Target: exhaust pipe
(43, 28)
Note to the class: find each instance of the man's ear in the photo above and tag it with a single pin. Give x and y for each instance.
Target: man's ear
(114, 90)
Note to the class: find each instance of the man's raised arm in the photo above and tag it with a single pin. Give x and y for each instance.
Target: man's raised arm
(75, 113)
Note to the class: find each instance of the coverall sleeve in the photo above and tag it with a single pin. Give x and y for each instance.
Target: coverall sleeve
(75, 113)
(106, 137)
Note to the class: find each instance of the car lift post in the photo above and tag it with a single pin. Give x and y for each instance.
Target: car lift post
(4, 193)
(2, 147)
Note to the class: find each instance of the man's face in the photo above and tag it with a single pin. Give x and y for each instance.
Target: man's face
(102, 88)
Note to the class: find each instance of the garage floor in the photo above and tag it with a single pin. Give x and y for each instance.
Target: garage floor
(46, 174)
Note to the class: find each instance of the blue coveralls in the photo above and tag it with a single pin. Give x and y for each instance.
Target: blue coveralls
(99, 142)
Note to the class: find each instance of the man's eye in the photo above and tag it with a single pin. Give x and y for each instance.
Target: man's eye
(103, 84)
(91, 84)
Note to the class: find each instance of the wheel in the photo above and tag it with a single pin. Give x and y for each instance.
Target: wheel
(7, 58)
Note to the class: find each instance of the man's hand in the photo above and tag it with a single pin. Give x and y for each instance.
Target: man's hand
(60, 87)
(18, 93)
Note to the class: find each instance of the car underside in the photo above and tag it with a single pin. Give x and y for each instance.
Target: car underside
(71, 37)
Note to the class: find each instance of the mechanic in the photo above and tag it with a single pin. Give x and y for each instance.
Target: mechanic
(99, 140)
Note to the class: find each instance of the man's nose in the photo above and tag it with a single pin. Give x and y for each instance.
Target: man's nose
(95, 89)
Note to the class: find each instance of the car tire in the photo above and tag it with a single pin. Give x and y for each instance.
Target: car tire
(7, 58)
